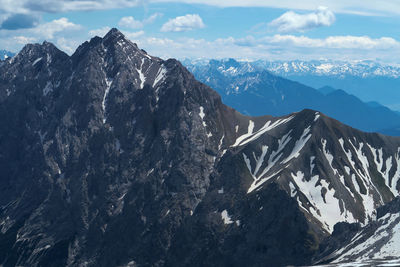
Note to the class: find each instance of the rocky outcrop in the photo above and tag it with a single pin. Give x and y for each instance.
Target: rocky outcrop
(112, 157)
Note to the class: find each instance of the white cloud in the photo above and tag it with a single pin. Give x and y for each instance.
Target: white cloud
(183, 23)
(152, 18)
(334, 42)
(360, 7)
(49, 29)
(99, 32)
(276, 47)
(133, 35)
(51, 6)
(132, 23)
(24, 39)
(293, 22)
(67, 45)
(66, 34)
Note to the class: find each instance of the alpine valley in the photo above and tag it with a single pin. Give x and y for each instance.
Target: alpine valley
(113, 157)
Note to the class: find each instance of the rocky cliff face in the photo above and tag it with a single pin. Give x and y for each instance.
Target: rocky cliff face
(112, 157)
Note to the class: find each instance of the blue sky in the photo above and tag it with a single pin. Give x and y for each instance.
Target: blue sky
(252, 29)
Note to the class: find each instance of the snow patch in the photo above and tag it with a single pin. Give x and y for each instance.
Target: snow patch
(249, 136)
(202, 115)
(324, 207)
(274, 157)
(317, 115)
(299, 145)
(162, 71)
(142, 77)
(106, 92)
(221, 142)
(225, 217)
(36, 61)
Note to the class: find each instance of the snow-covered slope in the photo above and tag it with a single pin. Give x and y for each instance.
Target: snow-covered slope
(376, 243)
(335, 173)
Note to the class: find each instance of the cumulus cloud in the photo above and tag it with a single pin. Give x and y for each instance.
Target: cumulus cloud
(99, 32)
(132, 23)
(49, 29)
(183, 23)
(152, 18)
(24, 39)
(133, 35)
(67, 45)
(19, 21)
(293, 22)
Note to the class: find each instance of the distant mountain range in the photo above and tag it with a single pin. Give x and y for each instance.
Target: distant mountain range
(368, 80)
(361, 69)
(4, 54)
(251, 89)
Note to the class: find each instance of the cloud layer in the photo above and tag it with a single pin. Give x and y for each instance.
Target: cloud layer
(360, 7)
(276, 47)
(183, 23)
(52, 6)
(293, 22)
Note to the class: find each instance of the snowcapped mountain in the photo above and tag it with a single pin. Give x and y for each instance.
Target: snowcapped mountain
(368, 80)
(5, 54)
(297, 67)
(361, 69)
(305, 172)
(112, 157)
(254, 91)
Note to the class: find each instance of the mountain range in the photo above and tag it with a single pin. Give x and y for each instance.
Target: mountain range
(113, 157)
(4, 54)
(367, 80)
(255, 92)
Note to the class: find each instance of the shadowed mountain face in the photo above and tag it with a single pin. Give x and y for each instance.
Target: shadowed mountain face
(252, 90)
(112, 157)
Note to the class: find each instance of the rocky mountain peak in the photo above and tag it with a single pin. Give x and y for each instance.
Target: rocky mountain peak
(114, 33)
(44, 52)
(112, 157)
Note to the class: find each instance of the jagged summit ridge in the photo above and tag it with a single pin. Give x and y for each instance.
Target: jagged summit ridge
(112, 157)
